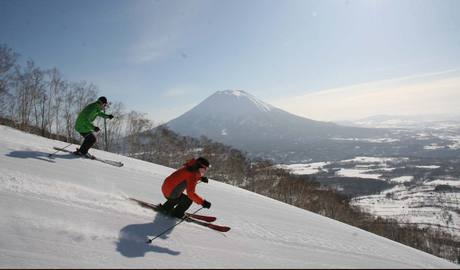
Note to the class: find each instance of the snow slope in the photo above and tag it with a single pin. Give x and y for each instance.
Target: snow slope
(68, 212)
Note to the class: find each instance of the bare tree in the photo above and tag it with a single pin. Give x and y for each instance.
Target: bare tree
(7, 62)
(56, 87)
(136, 124)
(59, 94)
(115, 126)
(39, 97)
(68, 113)
(24, 88)
(84, 94)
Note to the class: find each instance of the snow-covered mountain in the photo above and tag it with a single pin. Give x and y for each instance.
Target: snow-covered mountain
(236, 118)
(67, 212)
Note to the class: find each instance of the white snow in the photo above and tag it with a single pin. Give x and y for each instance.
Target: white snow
(379, 140)
(428, 167)
(359, 173)
(363, 159)
(265, 107)
(416, 204)
(403, 179)
(301, 169)
(362, 167)
(236, 93)
(67, 212)
(433, 146)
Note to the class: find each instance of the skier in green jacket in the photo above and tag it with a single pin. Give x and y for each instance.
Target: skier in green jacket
(84, 125)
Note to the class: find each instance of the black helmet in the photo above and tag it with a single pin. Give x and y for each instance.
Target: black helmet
(102, 100)
(203, 163)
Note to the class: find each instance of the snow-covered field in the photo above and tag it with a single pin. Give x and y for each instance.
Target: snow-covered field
(360, 168)
(417, 203)
(307, 168)
(67, 212)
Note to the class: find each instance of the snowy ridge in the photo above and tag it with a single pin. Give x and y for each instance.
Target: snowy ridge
(68, 212)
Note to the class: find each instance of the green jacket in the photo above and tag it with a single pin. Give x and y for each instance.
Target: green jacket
(84, 123)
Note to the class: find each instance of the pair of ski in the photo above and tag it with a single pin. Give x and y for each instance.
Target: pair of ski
(194, 218)
(107, 161)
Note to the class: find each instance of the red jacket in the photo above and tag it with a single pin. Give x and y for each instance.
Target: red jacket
(180, 180)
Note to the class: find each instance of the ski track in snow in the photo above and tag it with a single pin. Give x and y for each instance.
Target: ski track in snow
(70, 195)
(64, 193)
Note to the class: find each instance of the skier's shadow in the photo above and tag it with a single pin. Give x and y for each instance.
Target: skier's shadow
(38, 155)
(132, 238)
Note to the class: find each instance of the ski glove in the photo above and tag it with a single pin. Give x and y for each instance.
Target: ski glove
(97, 129)
(110, 116)
(206, 204)
(204, 179)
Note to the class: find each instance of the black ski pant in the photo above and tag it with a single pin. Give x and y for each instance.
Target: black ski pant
(176, 207)
(88, 142)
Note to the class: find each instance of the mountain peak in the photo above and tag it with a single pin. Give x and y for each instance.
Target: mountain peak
(240, 94)
(237, 93)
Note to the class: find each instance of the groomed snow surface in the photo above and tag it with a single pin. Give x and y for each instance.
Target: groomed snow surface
(67, 212)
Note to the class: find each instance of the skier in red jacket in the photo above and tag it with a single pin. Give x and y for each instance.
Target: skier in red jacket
(183, 179)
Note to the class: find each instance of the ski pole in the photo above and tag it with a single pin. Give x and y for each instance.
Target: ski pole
(182, 220)
(59, 150)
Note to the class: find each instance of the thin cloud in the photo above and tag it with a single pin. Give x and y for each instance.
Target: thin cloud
(432, 93)
(382, 83)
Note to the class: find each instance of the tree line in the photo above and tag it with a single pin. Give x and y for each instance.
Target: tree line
(43, 102)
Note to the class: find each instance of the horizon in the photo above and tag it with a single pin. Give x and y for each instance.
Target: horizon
(425, 116)
(323, 60)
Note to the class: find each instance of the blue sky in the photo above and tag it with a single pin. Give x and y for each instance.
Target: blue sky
(326, 60)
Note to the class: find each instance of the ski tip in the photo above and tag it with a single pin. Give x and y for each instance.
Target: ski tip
(224, 229)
